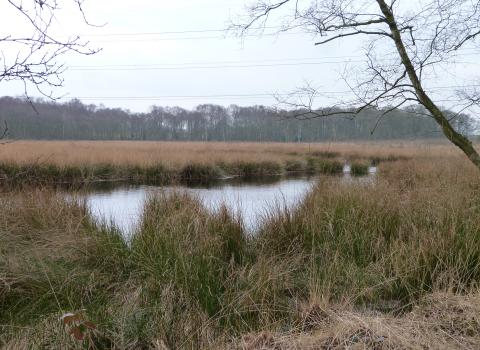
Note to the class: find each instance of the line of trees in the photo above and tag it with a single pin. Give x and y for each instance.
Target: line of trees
(207, 122)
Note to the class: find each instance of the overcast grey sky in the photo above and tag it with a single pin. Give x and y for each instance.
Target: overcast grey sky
(187, 63)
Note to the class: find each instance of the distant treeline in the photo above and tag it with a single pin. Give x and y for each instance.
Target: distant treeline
(77, 121)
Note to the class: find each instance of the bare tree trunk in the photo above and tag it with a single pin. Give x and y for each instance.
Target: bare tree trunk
(456, 138)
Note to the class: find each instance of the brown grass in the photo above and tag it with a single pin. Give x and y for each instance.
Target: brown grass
(390, 266)
(175, 154)
(439, 321)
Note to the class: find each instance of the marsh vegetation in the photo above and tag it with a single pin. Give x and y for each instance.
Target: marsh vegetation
(390, 265)
(50, 162)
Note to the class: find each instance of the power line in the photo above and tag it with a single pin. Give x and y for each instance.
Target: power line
(155, 33)
(260, 32)
(217, 62)
(227, 64)
(218, 37)
(190, 31)
(259, 65)
(134, 36)
(252, 95)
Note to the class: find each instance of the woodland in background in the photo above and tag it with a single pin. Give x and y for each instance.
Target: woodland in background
(74, 120)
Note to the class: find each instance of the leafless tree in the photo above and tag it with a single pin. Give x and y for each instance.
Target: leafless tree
(33, 57)
(423, 36)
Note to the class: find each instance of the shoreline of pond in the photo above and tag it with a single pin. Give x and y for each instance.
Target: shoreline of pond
(12, 174)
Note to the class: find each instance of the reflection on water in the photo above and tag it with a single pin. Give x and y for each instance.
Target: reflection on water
(122, 205)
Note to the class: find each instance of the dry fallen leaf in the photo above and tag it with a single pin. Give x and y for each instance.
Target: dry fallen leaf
(89, 325)
(77, 333)
(69, 318)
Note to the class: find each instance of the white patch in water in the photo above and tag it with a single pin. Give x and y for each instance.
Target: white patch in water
(123, 207)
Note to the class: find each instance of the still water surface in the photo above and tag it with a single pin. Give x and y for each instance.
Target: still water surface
(123, 205)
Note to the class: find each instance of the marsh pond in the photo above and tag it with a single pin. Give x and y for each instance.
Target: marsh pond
(121, 204)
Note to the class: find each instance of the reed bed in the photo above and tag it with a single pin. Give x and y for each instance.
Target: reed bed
(393, 264)
(179, 154)
(53, 162)
(199, 165)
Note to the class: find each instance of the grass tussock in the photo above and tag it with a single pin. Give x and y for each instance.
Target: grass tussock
(359, 169)
(200, 172)
(393, 264)
(52, 257)
(324, 166)
(380, 243)
(249, 170)
(181, 244)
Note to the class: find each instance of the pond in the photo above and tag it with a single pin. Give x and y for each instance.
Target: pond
(122, 205)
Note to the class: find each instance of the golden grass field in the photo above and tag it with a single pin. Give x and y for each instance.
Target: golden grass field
(176, 154)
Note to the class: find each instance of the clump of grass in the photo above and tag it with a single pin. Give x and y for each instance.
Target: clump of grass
(330, 167)
(155, 172)
(295, 166)
(250, 170)
(359, 169)
(199, 172)
(69, 173)
(373, 244)
(179, 242)
(324, 166)
(49, 251)
(261, 294)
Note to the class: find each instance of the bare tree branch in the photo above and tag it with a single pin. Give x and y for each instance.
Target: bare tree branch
(33, 59)
(421, 38)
